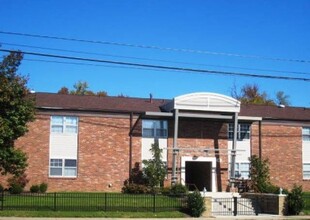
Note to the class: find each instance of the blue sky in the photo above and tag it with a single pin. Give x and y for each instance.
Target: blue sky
(264, 28)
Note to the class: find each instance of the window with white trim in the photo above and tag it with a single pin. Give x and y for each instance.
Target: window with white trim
(306, 170)
(63, 168)
(64, 124)
(242, 170)
(155, 128)
(243, 131)
(306, 134)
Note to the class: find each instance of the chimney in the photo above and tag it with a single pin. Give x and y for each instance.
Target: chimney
(151, 98)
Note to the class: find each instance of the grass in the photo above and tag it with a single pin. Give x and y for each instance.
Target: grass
(306, 209)
(91, 205)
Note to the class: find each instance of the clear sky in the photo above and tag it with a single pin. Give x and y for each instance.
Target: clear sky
(267, 33)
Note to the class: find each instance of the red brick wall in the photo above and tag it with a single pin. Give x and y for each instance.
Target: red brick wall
(103, 151)
(282, 146)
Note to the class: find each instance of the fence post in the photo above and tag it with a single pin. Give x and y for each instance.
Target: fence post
(235, 206)
(55, 201)
(2, 199)
(105, 201)
(154, 203)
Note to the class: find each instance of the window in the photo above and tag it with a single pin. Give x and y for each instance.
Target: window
(63, 168)
(306, 170)
(242, 170)
(62, 124)
(243, 131)
(154, 128)
(306, 134)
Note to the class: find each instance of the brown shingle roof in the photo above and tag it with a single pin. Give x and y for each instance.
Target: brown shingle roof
(96, 103)
(137, 105)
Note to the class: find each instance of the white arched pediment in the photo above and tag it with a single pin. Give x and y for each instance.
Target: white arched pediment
(204, 102)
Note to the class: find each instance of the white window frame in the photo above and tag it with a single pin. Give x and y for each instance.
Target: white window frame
(239, 171)
(158, 128)
(66, 125)
(63, 167)
(306, 172)
(306, 134)
(242, 134)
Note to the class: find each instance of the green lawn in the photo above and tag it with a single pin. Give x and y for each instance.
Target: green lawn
(306, 210)
(91, 202)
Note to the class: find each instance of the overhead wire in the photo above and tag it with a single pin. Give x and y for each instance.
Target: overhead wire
(153, 47)
(183, 69)
(157, 60)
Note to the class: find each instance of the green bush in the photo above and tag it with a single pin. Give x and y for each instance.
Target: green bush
(295, 201)
(43, 187)
(135, 189)
(178, 189)
(195, 204)
(34, 188)
(16, 189)
(17, 183)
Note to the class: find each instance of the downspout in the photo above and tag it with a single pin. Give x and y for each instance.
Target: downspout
(175, 146)
(130, 146)
(260, 139)
(233, 152)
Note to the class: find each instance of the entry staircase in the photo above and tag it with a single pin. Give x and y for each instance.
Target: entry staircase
(224, 203)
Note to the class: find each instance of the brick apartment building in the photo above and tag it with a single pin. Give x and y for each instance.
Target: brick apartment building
(91, 143)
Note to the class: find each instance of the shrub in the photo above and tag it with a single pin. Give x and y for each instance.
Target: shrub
(295, 201)
(16, 189)
(178, 189)
(34, 188)
(195, 204)
(17, 183)
(43, 187)
(135, 189)
(1, 188)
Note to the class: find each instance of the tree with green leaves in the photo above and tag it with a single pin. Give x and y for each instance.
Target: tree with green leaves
(251, 94)
(17, 109)
(81, 88)
(155, 169)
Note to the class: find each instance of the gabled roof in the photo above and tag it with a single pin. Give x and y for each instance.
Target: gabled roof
(140, 105)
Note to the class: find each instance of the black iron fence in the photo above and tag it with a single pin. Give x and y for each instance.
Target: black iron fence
(91, 202)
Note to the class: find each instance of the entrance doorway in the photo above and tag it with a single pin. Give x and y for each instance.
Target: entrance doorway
(200, 171)
(198, 174)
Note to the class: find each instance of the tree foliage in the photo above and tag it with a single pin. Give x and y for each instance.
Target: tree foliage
(251, 94)
(81, 88)
(282, 99)
(17, 109)
(155, 169)
(259, 174)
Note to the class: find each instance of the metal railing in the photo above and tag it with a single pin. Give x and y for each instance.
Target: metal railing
(91, 202)
(234, 206)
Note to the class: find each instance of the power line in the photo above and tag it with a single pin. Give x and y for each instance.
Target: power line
(154, 47)
(158, 60)
(159, 66)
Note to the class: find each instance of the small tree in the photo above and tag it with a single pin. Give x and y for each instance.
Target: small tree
(155, 169)
(17, 109)
(259, 174)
